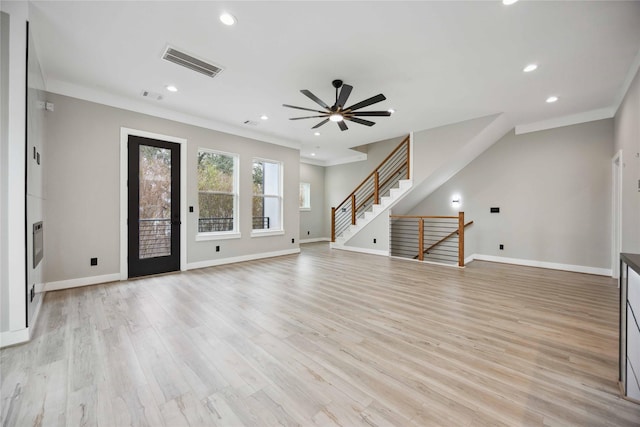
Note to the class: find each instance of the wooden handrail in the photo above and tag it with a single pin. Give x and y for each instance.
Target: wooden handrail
(422, 216)
(460, 226)
(426, 251)
(333, 224)
(461, 239)
(385, 182)
(421, 238)
(406, 140)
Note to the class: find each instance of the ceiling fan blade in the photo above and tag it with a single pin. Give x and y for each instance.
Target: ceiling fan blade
(315, 99)
(360, 121)
(342, 125)
(344, 95)
(367, 102)
(302, 108)
(371, 113)
(320, 124)
(307, 117)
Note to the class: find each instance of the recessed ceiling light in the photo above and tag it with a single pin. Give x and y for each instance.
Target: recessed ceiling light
(552, 99)
(529, 68)
(508, 2)
(336, 117)
(316, 133)
(264, 117)
(391, 110)
(172, 88)
(313, 154)
(227, 19)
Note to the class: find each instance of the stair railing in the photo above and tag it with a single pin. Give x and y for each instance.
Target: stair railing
(440, 238)
(378, 183)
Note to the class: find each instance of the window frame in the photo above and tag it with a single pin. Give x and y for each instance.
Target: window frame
(280, 196)
(235, 232)
(306, 208)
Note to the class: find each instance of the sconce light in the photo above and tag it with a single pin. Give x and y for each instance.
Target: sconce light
(455, 201)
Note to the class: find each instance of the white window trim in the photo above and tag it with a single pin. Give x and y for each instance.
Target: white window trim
(265, 233)
(306, 209)
(235, 233)
(217, 235)
(273, 231)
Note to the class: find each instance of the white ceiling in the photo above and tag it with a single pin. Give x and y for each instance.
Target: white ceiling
(436, 62)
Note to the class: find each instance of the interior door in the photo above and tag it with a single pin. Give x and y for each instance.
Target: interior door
(154, 206)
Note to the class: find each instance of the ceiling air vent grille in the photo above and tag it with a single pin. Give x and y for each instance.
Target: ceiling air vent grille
(151, 95)
(190, 62)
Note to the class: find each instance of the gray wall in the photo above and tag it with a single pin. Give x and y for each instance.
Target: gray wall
(314, 222)
(627, 139)
(554, 192)
(82, 188)
(433, 148)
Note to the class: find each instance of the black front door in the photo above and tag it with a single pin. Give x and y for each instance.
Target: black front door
(154, 206)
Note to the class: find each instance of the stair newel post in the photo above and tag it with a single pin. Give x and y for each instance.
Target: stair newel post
(421, 239)
(460, 239)
(353, 209)
(376, 189)
(333, 224)
(408, 159)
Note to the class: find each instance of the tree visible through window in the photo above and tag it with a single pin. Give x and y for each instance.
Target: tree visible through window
(217, 196)
(267, 198)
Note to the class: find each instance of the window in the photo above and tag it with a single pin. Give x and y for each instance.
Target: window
(267, 195)
(305, 196)
(217, 192)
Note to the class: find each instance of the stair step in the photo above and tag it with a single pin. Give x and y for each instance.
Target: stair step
(403, 184)
(394, 193)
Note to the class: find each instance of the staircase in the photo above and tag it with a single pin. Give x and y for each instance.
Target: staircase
(386, 202)
(380, 190)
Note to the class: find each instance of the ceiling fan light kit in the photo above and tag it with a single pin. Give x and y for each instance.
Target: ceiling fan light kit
(337, 112)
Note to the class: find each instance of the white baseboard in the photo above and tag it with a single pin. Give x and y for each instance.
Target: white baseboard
(8, 338)
(81, 281)
(243, 258)
(542, 264)
(315, 239)
(360, 250)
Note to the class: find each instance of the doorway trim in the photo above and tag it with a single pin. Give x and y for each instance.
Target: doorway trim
(124, 157)
(616, 213)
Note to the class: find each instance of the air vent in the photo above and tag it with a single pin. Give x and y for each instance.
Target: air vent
(190, 62)
(250, 123)
(151, 95)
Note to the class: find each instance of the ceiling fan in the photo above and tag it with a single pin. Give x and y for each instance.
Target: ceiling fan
(338, 113)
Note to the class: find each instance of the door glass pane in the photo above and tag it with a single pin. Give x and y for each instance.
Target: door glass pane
(155, 202)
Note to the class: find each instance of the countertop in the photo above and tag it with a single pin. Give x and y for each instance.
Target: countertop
(632, 260)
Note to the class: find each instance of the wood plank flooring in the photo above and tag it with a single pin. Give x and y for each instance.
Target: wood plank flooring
(324, 338)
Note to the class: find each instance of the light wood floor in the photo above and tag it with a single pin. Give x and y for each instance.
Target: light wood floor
(325, 338)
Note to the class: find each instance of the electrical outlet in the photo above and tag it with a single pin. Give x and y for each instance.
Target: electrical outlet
(293, 240)
(308, 232)
(94, 261)
(217, 248)
(375, 240)
(190, 208)
(501, 247)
